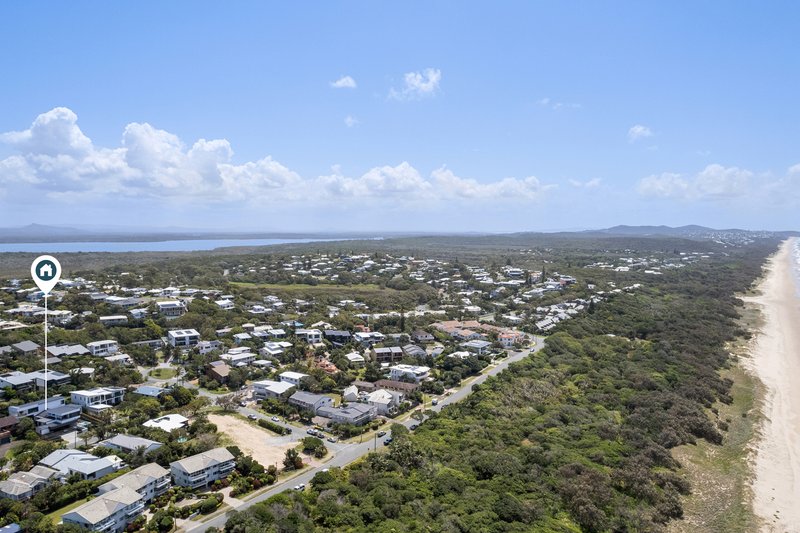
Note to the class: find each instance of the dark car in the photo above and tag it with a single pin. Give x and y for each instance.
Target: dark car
(388, 441)
(413, 427)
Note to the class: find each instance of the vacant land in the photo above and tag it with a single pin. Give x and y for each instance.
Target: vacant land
(163, 373)
(264, 446)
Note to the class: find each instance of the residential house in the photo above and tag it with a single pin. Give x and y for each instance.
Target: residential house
(114, 320)
(51, 377)
(150, 390)
(409, 372)
(129, 443)
(83, 464)
(337, 337)
(21, 486)
(477, 346)
(19, 381)
(168, 423)
(108, 513)
(171, 309)
(57, 418)
(219, 371)
(225, 305)
(422, 337)
(388, 354)
(148, 480)
(26, 348)
(355, 359)
(292, 377)
(103, 348)
(384, 401)
(397, 386)
(34, 408)
(183, 337)
(412, 350)
(239, 356)
(201, 469)
(309, 401)
(356, 414)
(67, 350)
(204, 347)
(368, 338)
(239, 338)
(311, 336)
(98, 399)
(350, 394)
(271, 389)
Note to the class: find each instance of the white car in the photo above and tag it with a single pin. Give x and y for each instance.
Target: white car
(276, 419)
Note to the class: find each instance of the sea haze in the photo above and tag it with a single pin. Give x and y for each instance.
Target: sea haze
(188, 245)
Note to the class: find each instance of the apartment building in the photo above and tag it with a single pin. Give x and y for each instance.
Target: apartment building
(201, 469)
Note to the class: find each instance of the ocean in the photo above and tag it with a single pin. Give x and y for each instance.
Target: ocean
(146, 246)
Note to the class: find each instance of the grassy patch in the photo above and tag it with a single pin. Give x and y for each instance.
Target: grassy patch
(163, 373)
(55, 516)
(720, 499)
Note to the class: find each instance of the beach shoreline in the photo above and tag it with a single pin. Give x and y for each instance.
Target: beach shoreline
(775, 362)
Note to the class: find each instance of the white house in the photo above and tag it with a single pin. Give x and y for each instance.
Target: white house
(103, 348)
(417, 373)
(292, 377)
(356, 359)
(201, 469)
(168, 423)
(114, 320)
(109, 512)
(310, 401)
(183, 337)
(98, 399)
(225, 305)
(384, 401)
(350, 394)
(311, 336)
(239, 356)
(271, 389)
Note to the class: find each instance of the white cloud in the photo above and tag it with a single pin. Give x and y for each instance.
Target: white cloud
(155, 164)
(350, 121)
(714, 182)
(588, 184)
(418, 85)
(345, 82)
(557, 106)
(638, 132)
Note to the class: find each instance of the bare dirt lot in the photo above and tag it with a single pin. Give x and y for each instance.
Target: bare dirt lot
(265, 447)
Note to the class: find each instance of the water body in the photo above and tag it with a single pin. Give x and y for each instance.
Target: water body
(147, 246)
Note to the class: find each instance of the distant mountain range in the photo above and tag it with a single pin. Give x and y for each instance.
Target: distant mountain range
(44, 233)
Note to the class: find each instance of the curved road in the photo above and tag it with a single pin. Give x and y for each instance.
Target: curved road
(348, 453)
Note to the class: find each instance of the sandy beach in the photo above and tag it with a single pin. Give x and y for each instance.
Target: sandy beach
(776, 362)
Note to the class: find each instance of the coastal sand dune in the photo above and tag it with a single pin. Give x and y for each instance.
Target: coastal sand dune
(776, 362)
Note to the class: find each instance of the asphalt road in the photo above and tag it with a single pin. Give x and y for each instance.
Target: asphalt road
(344, 454)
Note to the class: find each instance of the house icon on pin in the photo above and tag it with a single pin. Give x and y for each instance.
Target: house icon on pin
(46, 271)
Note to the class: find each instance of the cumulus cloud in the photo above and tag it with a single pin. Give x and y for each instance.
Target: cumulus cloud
(55, 159)
(345, 82)
(350, 121)
(713, 182)
(639, 132)
(418, 85)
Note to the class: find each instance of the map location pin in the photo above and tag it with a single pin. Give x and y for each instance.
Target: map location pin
(45, 271)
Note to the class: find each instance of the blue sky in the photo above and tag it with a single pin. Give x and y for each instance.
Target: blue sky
(457, 116)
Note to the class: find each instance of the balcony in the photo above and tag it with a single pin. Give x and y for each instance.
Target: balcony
(163, 483)
(105, 525)
(135, 510)
(227, 467)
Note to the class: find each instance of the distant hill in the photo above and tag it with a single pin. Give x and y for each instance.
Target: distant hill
(39, 231)
(691, 229)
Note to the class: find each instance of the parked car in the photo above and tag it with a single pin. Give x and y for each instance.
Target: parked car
(301, 486)
(312, 431)
(252, 417)
(332, 439)
(388, 441)
(435, 401)
(413, 427)
(276, 419)
(381, 433)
